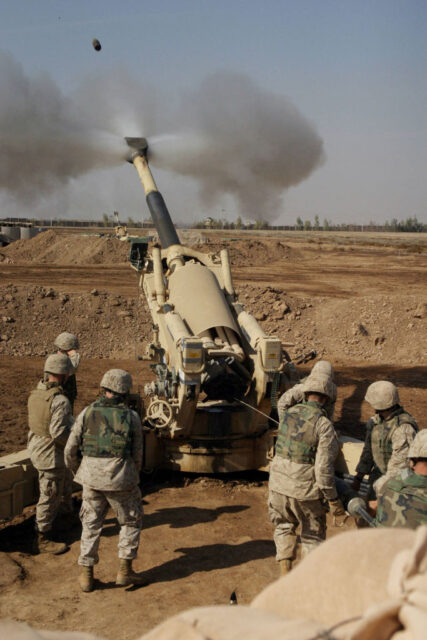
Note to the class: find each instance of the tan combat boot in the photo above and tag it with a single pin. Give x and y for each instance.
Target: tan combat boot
(285, 566)
(46, 545)
(126, 574)
(86, 579)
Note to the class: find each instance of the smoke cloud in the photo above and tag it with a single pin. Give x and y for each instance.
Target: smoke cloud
(238, 139)
(44, 142)
(228, 135)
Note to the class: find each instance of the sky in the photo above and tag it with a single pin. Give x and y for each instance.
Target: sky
(355, 69)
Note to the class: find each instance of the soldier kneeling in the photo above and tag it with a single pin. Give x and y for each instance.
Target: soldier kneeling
(402, 502)
(108, 436)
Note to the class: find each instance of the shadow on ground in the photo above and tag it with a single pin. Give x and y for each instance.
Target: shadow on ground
(208, 558)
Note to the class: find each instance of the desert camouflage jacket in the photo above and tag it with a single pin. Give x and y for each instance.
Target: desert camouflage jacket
(295, 395)
(104, 473)
(47, 451)
(309, 480)
(386, 446)
(402, 501)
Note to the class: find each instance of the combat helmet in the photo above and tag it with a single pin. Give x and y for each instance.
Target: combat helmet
(66, 341)
(58, 363)
(316, 383)
(117, 380)
(382, 395)
(324, 368)
(418, 448)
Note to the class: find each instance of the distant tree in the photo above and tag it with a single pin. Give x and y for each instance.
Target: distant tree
(130, 222)
(299, 224)
(326, 225)
(316, 223)
(239, 223)
(307, 225)
(105, 220)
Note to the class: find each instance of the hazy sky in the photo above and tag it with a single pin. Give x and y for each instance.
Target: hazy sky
(357, 70)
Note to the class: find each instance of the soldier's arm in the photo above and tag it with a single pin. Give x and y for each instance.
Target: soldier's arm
(327, 451)
(366, 461)
(61, 420)
(72, 449)
(401, 440)
(137, 440)
(289, 399)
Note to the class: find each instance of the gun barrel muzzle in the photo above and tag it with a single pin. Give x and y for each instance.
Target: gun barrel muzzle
(138, 150)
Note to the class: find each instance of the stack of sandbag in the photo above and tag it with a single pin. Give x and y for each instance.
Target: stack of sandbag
(341, 579)
(361, 585)
(10, 630)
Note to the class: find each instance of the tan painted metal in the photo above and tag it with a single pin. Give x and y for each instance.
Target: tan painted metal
(349, 455)
(158, 276)
(147, 180)
(197, 297)
(18, 484)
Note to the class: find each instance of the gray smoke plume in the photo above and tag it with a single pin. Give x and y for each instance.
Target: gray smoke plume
(230, 136)
(238, 139)
(45, 140)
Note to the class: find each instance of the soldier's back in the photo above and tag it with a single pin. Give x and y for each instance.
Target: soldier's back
(403, 501)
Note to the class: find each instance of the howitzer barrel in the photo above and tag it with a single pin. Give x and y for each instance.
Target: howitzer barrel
(156, 204)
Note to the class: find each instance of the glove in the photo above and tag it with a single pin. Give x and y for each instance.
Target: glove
(338, 512)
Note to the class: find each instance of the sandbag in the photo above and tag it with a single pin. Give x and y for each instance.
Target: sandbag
(11, 630)
(340, 579)
(231, 623)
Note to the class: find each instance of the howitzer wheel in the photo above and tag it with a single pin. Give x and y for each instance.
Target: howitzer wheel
(159, 414)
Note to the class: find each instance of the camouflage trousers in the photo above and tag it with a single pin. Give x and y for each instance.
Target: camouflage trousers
(287, 514)
(127, 506)
(55, 496)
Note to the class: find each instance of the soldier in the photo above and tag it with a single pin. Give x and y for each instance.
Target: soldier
(388, 436)
(68, 343)
(302, 473)
(108, 436)
(402, 501)
(50, 420)
(295, 395)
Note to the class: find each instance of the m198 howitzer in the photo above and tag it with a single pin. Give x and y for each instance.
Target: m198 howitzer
(208, 353)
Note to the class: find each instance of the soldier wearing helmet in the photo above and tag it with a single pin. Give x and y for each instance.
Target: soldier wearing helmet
(68, 343)
(104, 452)
(50, 420)
(402, 501)
(388, 436)
(295, 395)
(302, 473)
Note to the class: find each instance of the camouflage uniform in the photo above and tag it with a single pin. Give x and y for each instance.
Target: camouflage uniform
(50, 421)
(295, 395)
(302, 478)
(109, 437)
(66, 343)
(386, 447)
(402, 501)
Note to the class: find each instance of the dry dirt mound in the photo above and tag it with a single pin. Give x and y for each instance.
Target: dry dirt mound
(370, 328)
(390, 329)
(243, 253)
(52, 247)
(107, 325)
